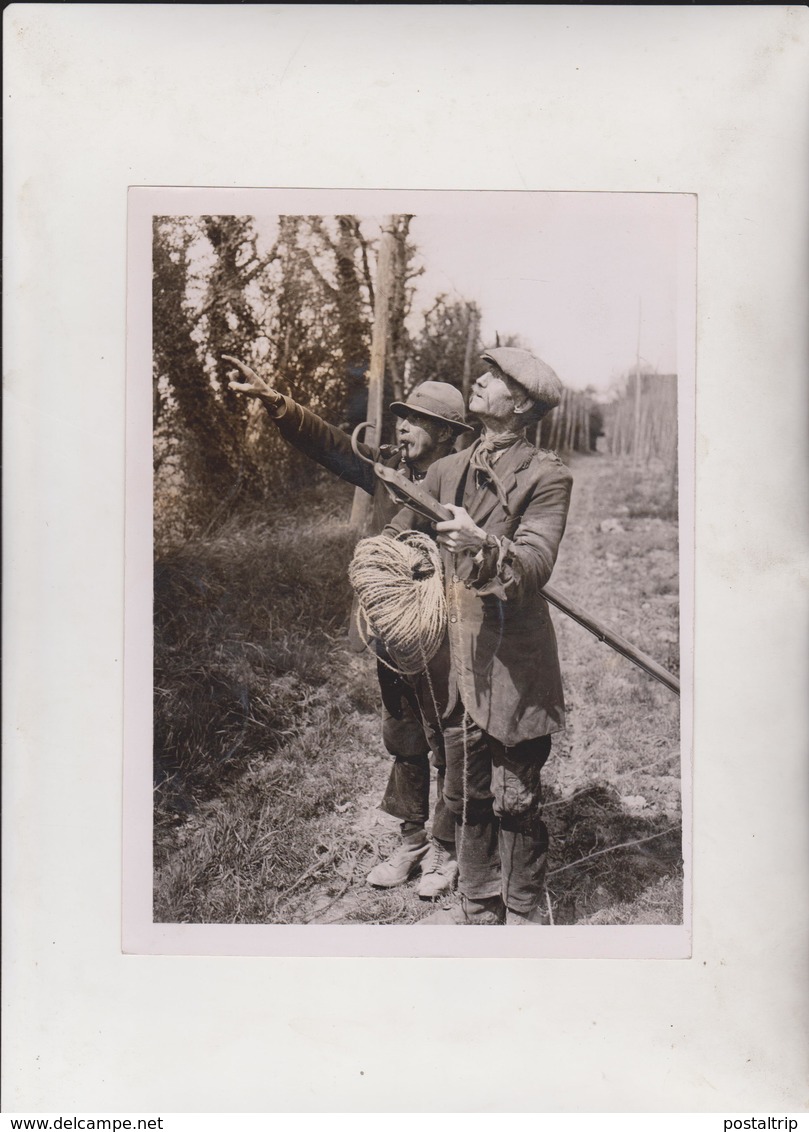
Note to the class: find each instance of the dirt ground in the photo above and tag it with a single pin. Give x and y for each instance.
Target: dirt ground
(612, 786)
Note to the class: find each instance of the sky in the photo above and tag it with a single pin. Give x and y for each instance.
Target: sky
(577, 276)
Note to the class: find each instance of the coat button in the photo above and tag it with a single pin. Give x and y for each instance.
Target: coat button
(455, 578)
(453, 619)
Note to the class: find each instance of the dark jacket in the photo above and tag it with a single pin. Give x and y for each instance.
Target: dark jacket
(504, 662)
(331, 447)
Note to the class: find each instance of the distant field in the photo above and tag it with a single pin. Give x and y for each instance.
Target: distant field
(615, 775)
(269, 764)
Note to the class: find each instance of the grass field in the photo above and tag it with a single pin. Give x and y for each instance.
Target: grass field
(269, 765)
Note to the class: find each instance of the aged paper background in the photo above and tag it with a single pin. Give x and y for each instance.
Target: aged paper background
(710, 101)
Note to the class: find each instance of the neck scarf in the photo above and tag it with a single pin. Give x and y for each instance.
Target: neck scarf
(482, 462)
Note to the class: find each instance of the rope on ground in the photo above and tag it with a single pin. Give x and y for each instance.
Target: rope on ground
(612, 849)
(400, 592)
(312, 871)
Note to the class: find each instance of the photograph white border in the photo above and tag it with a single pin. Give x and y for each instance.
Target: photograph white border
(140, 934)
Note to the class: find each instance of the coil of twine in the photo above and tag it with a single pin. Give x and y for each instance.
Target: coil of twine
(400, 592)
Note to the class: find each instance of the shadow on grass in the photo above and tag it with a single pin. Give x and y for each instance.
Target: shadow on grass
(603, 858)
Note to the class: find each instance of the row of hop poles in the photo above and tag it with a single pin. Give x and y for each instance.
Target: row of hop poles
(642, 424)
(573, 426)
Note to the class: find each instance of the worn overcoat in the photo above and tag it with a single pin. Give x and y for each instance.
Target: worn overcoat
(504, 661)
(331, 447)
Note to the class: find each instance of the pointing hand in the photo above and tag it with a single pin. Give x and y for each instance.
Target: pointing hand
(254, 386)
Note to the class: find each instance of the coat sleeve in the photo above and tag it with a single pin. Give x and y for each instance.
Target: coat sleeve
(328, 446)
(522, 565)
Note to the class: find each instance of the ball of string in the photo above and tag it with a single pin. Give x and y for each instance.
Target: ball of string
(400, 592)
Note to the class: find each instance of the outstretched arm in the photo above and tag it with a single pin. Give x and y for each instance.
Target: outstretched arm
(254, 386)
(328, 446)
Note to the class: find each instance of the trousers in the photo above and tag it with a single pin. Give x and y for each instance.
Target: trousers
(495, 796)
(414, 742)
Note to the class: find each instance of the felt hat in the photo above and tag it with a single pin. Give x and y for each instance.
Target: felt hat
(438, 400)
(530, 373)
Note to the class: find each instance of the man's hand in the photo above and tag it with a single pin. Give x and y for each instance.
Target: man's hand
(255, 386)
(460, 533)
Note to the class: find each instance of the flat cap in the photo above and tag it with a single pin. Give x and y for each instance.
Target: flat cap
(531, 373)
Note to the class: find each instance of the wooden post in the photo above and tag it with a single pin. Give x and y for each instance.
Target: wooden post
(570, 419)
(471, 335)
(361, 505)
(553, 441)
(551, 428)
(558, 420)
(587, 407)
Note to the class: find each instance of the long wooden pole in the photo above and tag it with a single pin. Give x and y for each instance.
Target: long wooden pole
(415, 496)
(360, 506)
(614, 640)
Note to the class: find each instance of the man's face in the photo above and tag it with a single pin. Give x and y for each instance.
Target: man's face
(493, 395)
(418, 437)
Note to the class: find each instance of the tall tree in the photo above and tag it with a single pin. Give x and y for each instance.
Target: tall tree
(318, 326)
(403, 272)
(210, 443)
(299, 310)
(449, 335)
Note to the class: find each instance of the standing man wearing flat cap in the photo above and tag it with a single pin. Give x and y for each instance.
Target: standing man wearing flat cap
(510, 504)
(428, 424)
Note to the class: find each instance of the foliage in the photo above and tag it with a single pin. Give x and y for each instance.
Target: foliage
(293, 297)
(298, 311)
(195, 441)
(442, 351)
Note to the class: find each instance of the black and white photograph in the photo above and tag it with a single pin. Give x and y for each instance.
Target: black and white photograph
(419, 541)
(283, 283)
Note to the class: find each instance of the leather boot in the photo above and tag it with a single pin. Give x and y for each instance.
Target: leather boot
(401, 865)
(489, 912)
(539, 915)
(439, 870)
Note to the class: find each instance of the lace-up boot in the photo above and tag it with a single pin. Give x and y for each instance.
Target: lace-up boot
(401, 865)
(439, 870)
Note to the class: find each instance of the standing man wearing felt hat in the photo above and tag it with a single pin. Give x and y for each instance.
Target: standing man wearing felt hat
(510, 504)
(428, 424)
